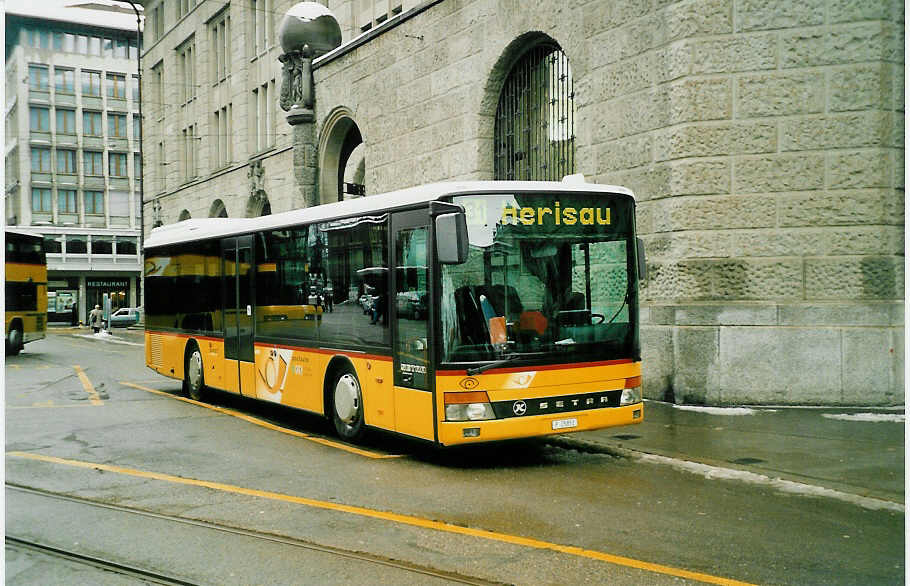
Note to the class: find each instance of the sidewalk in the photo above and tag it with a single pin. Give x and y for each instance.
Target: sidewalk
(854, 451)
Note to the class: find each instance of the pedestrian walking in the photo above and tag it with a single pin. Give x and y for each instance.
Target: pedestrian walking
(96, 319)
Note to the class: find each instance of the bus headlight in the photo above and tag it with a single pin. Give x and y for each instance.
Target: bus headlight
(630, 396)
(470, 406)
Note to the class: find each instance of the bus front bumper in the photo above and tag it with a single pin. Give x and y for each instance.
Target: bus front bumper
(463, 432)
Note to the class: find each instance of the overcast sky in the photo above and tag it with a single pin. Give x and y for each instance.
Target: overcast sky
(63, 10)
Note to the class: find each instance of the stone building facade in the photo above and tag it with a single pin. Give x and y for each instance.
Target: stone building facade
(764, 141)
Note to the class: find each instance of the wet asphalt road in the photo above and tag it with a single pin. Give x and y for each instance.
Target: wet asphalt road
(82, 420)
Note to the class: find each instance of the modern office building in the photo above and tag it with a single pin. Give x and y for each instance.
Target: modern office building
(764, 141)
(72, 157)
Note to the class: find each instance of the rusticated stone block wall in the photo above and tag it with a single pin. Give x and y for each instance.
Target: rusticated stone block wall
(763, 138)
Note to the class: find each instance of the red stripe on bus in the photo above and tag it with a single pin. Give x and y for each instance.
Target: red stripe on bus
(538, 368)
(331, 352)
(178, 335)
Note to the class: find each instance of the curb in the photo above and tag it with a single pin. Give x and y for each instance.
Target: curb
(792, 484)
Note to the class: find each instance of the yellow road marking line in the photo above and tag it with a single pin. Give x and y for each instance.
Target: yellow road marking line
(16, 366)
(403, 519)
(87, 385)
(267, 425)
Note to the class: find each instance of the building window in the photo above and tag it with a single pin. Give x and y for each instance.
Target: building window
(371, 13)
(92, 163)
(91, 83)
(41, 199)
(222, 141)
(39, 119)
(76, 244)
(126, 245)
(158, 81)
(137, 166)
(116, 86)
(37, 78)
(121, 49)
(41, 160)
(66, 121)
(66, 201)
(94, 46)
(221, 45)
(263, 114)
(116, 125)
(64, 80)
(102, 244)
(161, 171)
(156, 22)
(119, 203)
(38, 38)
(66, 161)
(189, 152)
(186, 70)
(184, 7)
(135, 82)
(94, 203)
(137, 127)
(117, 164)
(261, 25)
(91, 123)
(534, 134)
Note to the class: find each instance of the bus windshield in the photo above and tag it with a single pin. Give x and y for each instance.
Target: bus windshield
(550, 278)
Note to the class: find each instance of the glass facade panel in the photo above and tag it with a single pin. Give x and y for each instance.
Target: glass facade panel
(102, 244)
(76, 244)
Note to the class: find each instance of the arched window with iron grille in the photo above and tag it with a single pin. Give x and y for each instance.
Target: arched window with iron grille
(535, 119)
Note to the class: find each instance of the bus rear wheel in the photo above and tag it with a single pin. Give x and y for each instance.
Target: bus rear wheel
(14, 340)
(193, 375)
(347, 405)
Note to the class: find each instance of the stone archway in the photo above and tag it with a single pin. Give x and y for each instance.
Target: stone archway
(217, 209)
(258, 205)
(340, 138)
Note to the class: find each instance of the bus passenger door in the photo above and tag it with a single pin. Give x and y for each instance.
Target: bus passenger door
(409, 304)
(237, 284)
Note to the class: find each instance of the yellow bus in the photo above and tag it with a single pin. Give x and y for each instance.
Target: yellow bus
(26, 289)
(454, 313)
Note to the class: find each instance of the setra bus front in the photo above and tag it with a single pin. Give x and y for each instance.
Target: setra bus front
(538, 322)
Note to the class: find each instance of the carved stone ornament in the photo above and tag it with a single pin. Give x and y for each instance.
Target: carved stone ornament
(256, 175)
(296, 79)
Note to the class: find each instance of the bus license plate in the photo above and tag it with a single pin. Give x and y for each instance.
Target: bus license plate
(565, 423)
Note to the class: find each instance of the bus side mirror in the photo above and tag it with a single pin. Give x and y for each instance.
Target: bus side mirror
(451, 238)
(642, 266)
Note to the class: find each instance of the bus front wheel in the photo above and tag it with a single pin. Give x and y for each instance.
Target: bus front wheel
(14, 340)
(347, 405)
(193, 375)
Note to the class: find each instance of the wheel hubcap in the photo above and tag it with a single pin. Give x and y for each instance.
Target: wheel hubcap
(195, 370)
(347, 399)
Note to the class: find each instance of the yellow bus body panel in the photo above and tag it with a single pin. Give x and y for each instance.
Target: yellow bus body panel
(528, 384)
(294, 377)
(413, 413)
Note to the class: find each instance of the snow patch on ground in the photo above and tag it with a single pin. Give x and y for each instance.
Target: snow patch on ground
(721, 410)
(787, 486)
(873, 417)
(106, 337)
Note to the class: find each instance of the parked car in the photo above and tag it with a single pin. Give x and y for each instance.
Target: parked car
(125, 316)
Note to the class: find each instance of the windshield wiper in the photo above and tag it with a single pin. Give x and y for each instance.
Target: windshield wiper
(511, 357)
(625, 301)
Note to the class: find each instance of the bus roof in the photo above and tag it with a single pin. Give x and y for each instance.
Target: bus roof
(206, 228)
(20, 232)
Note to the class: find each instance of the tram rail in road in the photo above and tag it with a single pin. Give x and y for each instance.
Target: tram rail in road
(156, 576)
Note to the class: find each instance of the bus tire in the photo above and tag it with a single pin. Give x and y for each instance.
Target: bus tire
(14, 339)
(347, 405)
(194, 374)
